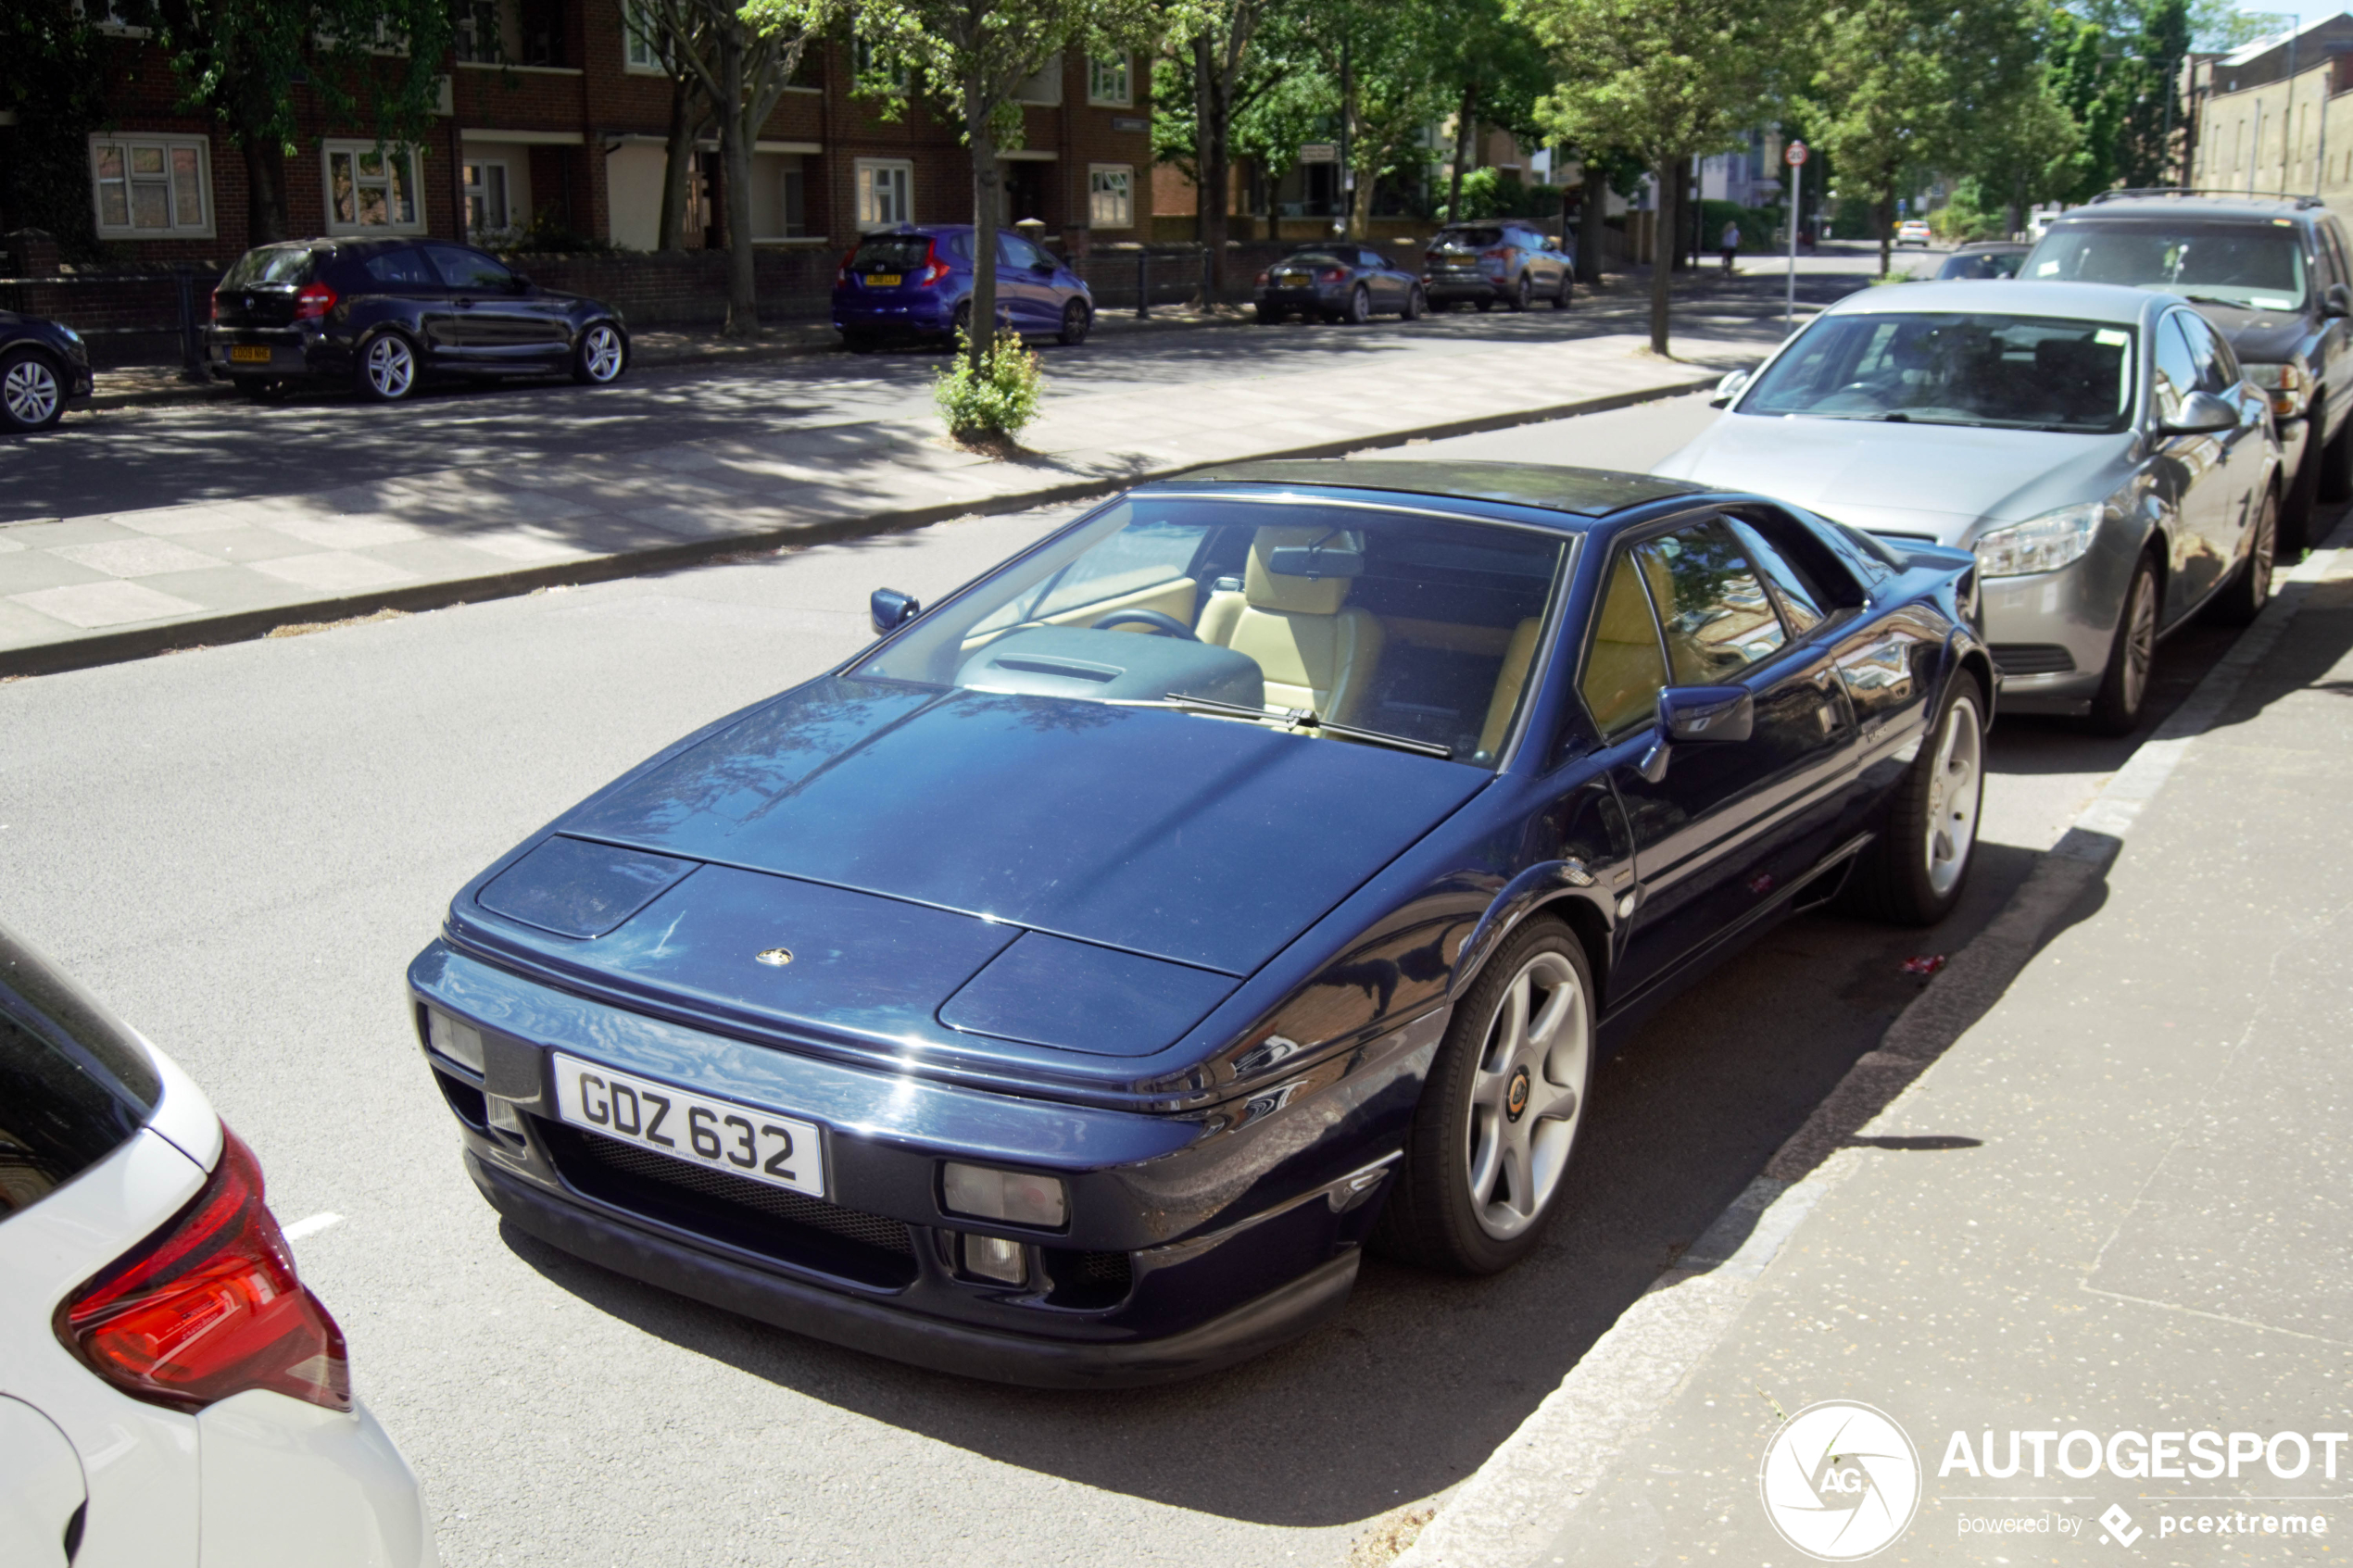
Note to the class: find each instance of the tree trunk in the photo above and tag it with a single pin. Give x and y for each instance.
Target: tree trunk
(1211, 160)
(678, 168)
(1465, 138)
(988, 187)
(1883, 210)
(265, 192)
(735, 160)
(1593, 229)
(1665, 242)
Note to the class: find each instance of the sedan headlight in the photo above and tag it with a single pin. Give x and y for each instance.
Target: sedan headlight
(2286, 385)
(2041, 543)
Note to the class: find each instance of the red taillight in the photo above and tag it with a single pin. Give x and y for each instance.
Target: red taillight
(213, 306)
(842, 273)
(934, 268)
(313, 301)
(1332, 274)
(1500, 253)
(209, 1306)
(1262, 280)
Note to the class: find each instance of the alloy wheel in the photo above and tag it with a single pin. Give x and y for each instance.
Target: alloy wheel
(1956, 789)
(31, 393)
(1525, 1096)
(2140, 641)
(392, 367)
(1359, 305)
(601, 356)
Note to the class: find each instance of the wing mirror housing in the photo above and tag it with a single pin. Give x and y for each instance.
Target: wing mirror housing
(891, 610)
(2202, 413)
(1728, 389)
(1695, 715)
(523, 284)
(2338, 301)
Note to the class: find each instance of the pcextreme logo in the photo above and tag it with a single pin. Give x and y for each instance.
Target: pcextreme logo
(1841, 1481)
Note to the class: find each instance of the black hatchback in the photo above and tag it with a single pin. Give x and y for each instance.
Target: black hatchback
(384, 314)
(44, 366)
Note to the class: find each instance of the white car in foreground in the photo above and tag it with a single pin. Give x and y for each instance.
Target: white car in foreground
(171, 1395)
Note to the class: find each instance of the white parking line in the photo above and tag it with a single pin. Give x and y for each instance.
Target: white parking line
(311, 1226)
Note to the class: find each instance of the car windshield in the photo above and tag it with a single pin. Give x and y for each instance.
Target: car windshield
(2260, 265)
(1315, 258)
(891, 253)
(2018, 371)
(271, 264)
(1981, 264)
(1466, 239)
(1395, 628)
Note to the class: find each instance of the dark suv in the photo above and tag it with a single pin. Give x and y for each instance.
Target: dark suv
(2274, 274)
(1504, 261)
(383, 314)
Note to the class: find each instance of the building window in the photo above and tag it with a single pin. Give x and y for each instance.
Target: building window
(372, 190)
(886, 192)
(638, 36)
(1110, 196)
(487, 211)
(1107, 82)
(873, 75)
(152, 187)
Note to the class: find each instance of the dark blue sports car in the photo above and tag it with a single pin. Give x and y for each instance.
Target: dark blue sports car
(1067, 989)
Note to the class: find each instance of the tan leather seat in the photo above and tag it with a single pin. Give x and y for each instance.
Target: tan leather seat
(1314, 649)
(1626, 669)
(1518, 655)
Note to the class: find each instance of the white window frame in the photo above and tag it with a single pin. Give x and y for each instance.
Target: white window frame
(329, 151)
(1102, 92)
(1045, 89)
(475, 187)
(868, 191)
(639, 55)
(1100, 189)
(178, 225)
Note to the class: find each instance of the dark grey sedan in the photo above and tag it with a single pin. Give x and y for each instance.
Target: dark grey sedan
(1340, 282)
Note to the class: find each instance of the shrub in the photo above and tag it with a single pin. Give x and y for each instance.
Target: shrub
(996, 401)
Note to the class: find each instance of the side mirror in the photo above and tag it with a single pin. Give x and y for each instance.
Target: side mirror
(2201, 413)
(521, 283)
(1688, 715)
(1728, 389)
(891, 610)
(1045, 266)
(2338, 301)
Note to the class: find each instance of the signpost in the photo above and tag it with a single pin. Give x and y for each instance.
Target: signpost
(1796, 154)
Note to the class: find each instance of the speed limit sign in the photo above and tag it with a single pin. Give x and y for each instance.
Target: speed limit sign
(1796, 154)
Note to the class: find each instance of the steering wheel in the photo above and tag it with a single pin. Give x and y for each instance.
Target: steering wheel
(1161, 626)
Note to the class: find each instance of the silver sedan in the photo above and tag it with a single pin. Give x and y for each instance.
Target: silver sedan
(2099, 448)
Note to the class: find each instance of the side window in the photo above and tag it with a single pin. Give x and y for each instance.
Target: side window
(2176, 368)
(470, 270)
(1717, 618)
(2332, 241)
(1800, 602)
(1373, 258)
(1014, 251)
(2205, 352)
(402, 268)
(1625, 671)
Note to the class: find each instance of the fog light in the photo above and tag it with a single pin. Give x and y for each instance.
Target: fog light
(504, 1116)
(1015, 1197)
(994, 1258)
(461, 1043)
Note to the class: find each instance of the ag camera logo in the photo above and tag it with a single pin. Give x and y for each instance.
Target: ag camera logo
(1841, 1481)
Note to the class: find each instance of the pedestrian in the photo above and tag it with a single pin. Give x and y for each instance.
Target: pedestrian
(1730, 243)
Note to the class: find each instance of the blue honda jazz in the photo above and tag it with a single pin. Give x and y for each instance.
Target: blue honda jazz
(912, 282)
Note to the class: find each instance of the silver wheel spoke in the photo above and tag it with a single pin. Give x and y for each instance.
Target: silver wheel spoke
(1526, 1094)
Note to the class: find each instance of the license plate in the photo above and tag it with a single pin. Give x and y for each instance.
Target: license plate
(1291, 280)
(250, 354)
(882, 279)
(719, 1134)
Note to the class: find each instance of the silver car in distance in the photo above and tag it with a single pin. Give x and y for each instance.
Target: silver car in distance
(2098, 448)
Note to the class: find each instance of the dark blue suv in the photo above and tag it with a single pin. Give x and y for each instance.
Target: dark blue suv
(912, 282)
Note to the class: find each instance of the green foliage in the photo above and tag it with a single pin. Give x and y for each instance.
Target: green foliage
(2219, 26)
(50, 74)
(1759, 227)
(549, 234)
(1971, 215)
(1491, 193)
(991, 395)
(1664, 82)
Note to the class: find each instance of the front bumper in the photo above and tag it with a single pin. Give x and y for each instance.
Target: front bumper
(1193, 1242)
(2051, 632)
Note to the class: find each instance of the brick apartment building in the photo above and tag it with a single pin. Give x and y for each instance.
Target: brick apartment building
(552, 110)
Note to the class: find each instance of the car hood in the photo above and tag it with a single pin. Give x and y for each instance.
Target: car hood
(1934, 481)
(1069, 875)
(2257, 336)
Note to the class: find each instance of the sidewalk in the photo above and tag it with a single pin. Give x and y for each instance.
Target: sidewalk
(83, 590)
(2113, 1200)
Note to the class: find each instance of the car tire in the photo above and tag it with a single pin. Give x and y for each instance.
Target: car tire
(2249, 589)
(259, 389)
(1360, 306)
(1415, 305)
(2296, 512)
(600, 357)
(1076, 318)
(1523, 295)
(857, 341)
(2116, 708)
(1560, 298)
(1915, 872)
(386, 369)
(2336, 457)
(1479, 1184)
(1270, 314)
(961, 323)
(32, 393)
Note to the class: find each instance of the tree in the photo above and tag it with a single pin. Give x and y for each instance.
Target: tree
(1665, 82)
(1902, 86)
(741, 61)
(1496, 72)
(2219, 26)
(689, 116)
(1385, 59)
(236, 60)
(1222, 85)
(974, 56)
(51, 78)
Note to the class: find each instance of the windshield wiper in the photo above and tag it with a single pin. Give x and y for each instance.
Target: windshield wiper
(2217, 299)
(1306, 719)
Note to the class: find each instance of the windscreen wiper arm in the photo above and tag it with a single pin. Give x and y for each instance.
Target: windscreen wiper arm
(1306, 719)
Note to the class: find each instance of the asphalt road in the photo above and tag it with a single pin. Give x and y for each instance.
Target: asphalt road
(241, 848)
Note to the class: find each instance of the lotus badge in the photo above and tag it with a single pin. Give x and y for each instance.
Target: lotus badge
(775, 957)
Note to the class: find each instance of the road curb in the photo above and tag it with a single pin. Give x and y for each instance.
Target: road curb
(142, 642)
(1528, 1490)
